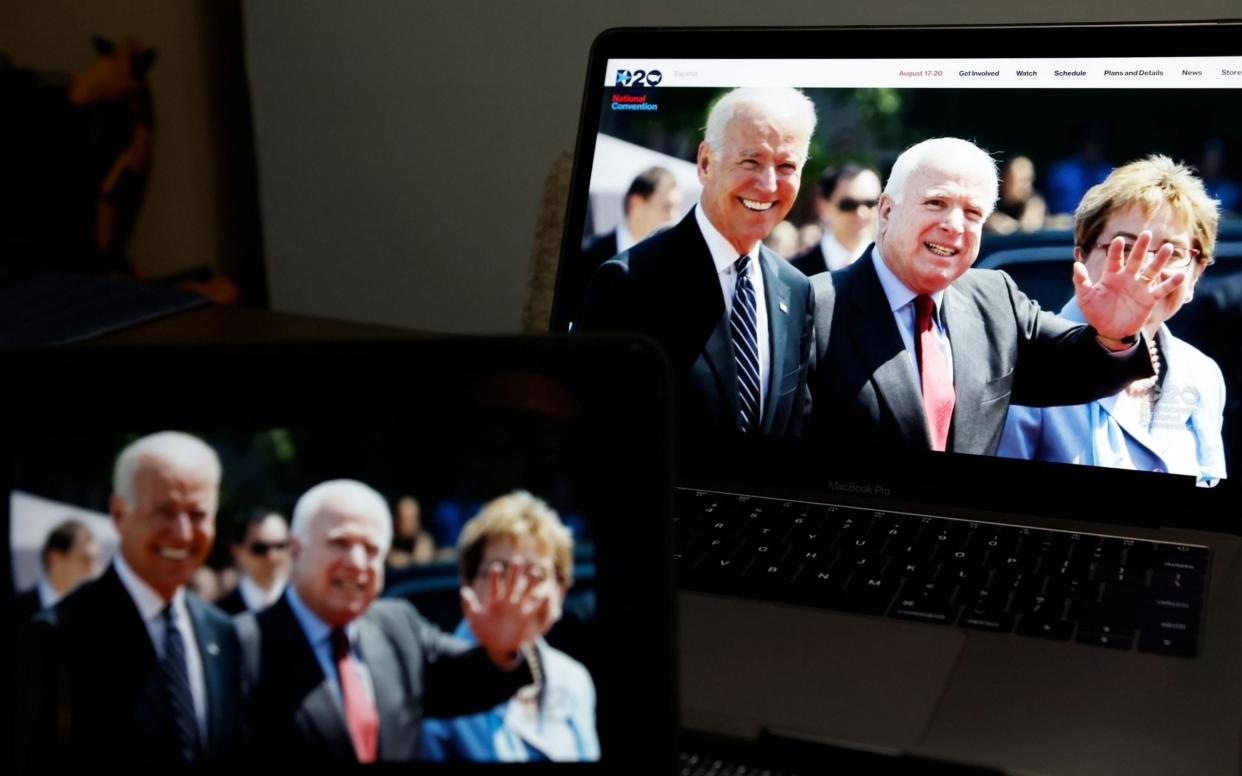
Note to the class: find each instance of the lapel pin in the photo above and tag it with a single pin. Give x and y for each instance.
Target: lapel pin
(213, 649)
(784, 308)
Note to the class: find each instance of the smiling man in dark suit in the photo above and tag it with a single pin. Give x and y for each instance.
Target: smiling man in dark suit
(916, 350)
(132, 670)
(734, 317)
(336, 676)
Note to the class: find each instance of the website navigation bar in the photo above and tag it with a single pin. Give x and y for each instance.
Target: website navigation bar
(1104, 73)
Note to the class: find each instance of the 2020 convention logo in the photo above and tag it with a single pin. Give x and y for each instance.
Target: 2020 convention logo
(631, 78)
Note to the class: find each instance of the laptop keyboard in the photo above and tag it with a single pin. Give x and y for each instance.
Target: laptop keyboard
(1103, 591)
(700, 764)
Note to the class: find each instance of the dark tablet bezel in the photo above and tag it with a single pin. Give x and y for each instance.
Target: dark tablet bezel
(622, 387)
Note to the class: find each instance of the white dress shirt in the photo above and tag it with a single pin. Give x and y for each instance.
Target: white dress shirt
(47, 596)
(901, 301)
(151, 606)
(625, 240)
(836, 255)
(723, 256)
(319, 634)
(256, 598)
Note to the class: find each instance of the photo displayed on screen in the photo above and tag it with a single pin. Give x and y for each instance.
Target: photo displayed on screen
(1062, 238)
(397, 596)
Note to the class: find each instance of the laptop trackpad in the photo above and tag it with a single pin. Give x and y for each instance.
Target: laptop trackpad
(807, 673)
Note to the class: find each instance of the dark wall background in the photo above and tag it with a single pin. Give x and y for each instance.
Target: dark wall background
(200, 209)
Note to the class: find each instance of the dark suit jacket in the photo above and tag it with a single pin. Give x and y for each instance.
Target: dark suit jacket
(575, 276)
(416, 669)
(667, 287)
(89, 692)
(866, 391)
(811, 261)
(233, 603)
(598, 250)
(24, 607)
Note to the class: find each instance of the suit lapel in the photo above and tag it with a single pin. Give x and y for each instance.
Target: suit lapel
(718, 353)
(875, 335)
(128, 653)
(821, 260)
(209, 650)
(689, 289)
(776, 292)
(703, 305)
(124, 620)
(382, 664)
(320, 712)
(967, 339)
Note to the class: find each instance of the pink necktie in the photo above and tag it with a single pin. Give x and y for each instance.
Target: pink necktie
(360, 715)
(938, 397)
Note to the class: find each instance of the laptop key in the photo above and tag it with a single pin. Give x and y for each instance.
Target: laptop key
(1194, 564)
(1115, 572)
(773, 575)
(1107, 628)
(1181, 550)
(869, 584)
(864, 562)
(1171, 622)
(986, 619)
(929, 591)
(1182, 581)
(1174, 601)
(819, 579)
(923, 610)
(1164, 643)
(1113, 640)
(966, 578)
(1045, 627)
(813, 554)
(980, 596)
(1038, 604)
(762, 549)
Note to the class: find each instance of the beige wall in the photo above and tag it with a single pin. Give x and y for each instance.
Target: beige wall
(403, 146)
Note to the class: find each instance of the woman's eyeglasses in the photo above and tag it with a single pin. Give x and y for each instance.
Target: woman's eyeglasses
(1181, 256)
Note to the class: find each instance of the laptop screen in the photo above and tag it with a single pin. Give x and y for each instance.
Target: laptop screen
(473, 457)
(1096, 135)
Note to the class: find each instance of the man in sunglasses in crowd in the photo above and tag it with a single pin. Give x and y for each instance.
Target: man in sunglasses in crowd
(261, 552)
(846, 200)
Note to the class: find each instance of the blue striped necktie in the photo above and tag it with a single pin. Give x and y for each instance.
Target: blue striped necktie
(744, 325)
(176, 680)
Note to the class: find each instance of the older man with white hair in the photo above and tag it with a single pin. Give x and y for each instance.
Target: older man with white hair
(334, 675)
(734, 317)
(131, 669)
(914, 349)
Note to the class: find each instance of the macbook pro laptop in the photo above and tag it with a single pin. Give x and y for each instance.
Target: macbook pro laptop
(579, 423)
(1010, 614)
